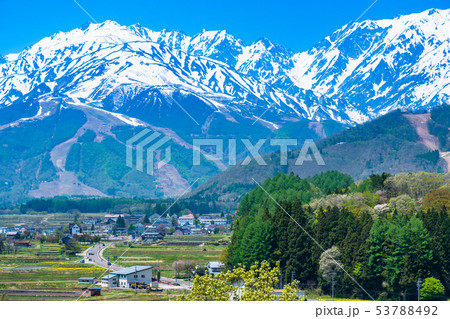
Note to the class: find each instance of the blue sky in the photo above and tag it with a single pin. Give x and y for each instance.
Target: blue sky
(295, 24)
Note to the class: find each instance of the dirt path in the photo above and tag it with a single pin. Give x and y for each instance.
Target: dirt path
(420, 123)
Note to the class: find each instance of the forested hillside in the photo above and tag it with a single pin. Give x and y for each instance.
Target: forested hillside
(387, 144)
(386, 231)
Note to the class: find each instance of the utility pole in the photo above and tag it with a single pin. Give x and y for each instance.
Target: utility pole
(419, 285)
(135, 280)
(189, 270)
(281, 280)
(333, 282)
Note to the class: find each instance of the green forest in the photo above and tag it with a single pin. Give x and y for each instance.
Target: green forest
(117, 205)
(384, 232)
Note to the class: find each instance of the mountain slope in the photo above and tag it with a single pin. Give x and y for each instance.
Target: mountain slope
(391, 143)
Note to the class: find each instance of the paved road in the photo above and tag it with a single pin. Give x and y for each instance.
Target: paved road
(94, 255)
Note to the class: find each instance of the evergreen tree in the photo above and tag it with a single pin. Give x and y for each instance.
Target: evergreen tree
(373, 270)
(120, 222)
(438, 226)
(299, 256)
(419, 255)
(280, 224)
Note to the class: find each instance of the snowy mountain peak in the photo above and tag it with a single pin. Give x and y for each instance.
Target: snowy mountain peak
(362, 70)
(383, 64)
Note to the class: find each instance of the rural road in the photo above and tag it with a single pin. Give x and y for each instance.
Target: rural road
(94, 255)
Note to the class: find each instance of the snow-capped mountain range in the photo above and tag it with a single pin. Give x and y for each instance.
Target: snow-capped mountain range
(362, 70)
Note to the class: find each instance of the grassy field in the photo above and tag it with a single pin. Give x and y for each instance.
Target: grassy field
(160, 255)
(59, 271)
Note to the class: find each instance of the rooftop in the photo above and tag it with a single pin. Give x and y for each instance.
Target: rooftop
(92, 288)
(130, 270)
(215, 264)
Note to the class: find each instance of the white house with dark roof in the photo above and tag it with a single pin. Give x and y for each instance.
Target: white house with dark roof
(215, 268)
(74, 229)
(186, 220)
(124, 278)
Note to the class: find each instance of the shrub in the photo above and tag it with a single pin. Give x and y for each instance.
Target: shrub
(432, 289)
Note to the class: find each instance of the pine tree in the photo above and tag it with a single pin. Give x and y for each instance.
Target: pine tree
(300, 245)
(280, 224)
(438, 226)
(419, 255)
(373, 270)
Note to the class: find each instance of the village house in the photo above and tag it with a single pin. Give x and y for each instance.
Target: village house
(163, 221)
(139, 228)
(205, 220)
(214, 268)
(85, 229)
(91, 291)
(183, 230)
(74, 229)
(186, 219)
(154, 217)
(4, 230)
(87, 280)
(152, 234)
(13, 234)
(121, 232)
(198, 231)
(124, 278)
(110, 280)
(91, 221)
(112, 217)
(132, 219)
(22, 243)
(178, 232)
(25, 229)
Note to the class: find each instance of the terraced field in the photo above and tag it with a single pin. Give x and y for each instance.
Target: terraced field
(43, 266)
